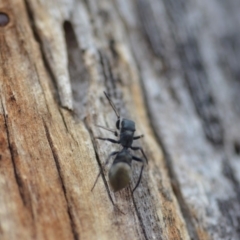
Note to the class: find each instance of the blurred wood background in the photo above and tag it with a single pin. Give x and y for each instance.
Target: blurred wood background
(171, 66)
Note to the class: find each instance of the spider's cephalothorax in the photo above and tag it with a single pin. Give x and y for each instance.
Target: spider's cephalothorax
(127, 133)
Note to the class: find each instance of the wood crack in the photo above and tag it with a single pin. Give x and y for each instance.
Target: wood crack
(99, 163)
(177, 192)
(149, 27)
(200, 90)
(56, 159)
(107, 72)
(230, 206)
(12, 153)
(44, 57)
(79, 76)
(140, 219)
(64, 122)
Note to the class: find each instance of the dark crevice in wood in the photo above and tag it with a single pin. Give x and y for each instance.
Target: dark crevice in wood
(87, 4)
(65, 125)
(200, 90)
(192, 64)
(56, 160)
(237, 147)
(192, 231)
(63, 119)
(44, 58)
(174, 94)
(78, 73)
(13, 152)
(229, 174)
(136, 220)
(229, 55)
(195, 74)
(110, 82)
(177, 9)
(140, 218)
(105, 75)
(22, 188)
(183, 205)
(40, 83)
(230, 207)
(112, 47)
(99, 162)
(149, 26)
(144, 205)
(229, 58)
(177, 191)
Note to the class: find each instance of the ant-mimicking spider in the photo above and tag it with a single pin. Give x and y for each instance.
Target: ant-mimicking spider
(120, 172)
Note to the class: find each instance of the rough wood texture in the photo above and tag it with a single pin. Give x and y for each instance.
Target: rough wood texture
(171, 66)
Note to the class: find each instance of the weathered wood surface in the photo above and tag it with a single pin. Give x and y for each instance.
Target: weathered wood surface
(171, 66)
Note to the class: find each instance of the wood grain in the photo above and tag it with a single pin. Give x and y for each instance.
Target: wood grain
(169, 66)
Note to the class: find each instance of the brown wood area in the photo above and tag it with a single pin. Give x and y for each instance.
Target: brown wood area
(171, 66)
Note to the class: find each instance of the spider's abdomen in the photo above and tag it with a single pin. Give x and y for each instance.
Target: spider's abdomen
(119, 176)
